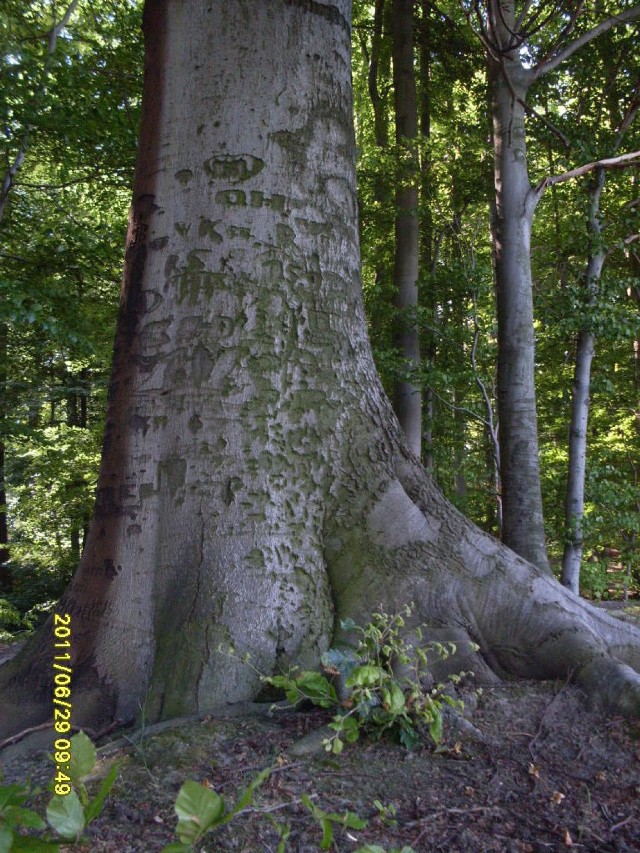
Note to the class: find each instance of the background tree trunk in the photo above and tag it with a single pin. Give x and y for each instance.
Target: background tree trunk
(428, 296)
(407, 400)
(6, 578)
(255, 485)
(522, 517)
(585, 351)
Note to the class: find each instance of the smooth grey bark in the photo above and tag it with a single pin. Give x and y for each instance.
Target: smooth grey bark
(6, 576)
(503, 31)
(585, 351)
(255, 485)
(522, 515)
(428, 253)
(407, 397)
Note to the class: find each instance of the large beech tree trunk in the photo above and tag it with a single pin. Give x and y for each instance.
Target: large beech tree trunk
(255, 484)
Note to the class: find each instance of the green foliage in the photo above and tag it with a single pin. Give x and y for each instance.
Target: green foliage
(378, 699)
(328, 820)
(68, 815)
(10, 620)
(200, 810)
(71, 107)
(386, 813)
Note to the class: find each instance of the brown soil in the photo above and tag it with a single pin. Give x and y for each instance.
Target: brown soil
(539, 772)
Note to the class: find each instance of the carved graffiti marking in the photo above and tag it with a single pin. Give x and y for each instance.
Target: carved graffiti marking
(184, 176)
(207, 228)
(233, 168)
(254, 199)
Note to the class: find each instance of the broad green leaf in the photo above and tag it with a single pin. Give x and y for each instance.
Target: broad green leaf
(14, 795)
(177, 847)
(393, 699)
(65, 815)
(348, 819)
(94, 807)
(6, 839)
(83, 757)
(247, 795)
(18, 816)
(317, 688)
(30, 844)
(349, 728)
(366, 675)
(409, 737)
(198, 808)
(281, 681)
(327, 834)
(435, 727)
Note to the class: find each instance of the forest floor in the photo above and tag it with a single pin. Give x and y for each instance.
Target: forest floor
(536, 771)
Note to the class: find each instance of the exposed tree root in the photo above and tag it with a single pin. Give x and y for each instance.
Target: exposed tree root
(506, 617)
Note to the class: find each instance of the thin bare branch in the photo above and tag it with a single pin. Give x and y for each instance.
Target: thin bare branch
(548, 124)
(518, 26)
(621, 162)
(563, 53)
(489, 422)
(626, 241)
(631, 113)
(56, 29)
(631, 204)
(481, 33)
(570, 26)
(454, 408)
(534, 26)
(515, 38)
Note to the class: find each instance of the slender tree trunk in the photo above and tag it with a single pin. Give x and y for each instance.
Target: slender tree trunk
(6, 579)
(459, 456)
(407, 400)
(427, 255)
(522, 517)
(77, 396)
(255, 486)
(585, 351)
(634, 290)
(378, 102)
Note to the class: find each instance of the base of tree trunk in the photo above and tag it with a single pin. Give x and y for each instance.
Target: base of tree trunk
(410, 546)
